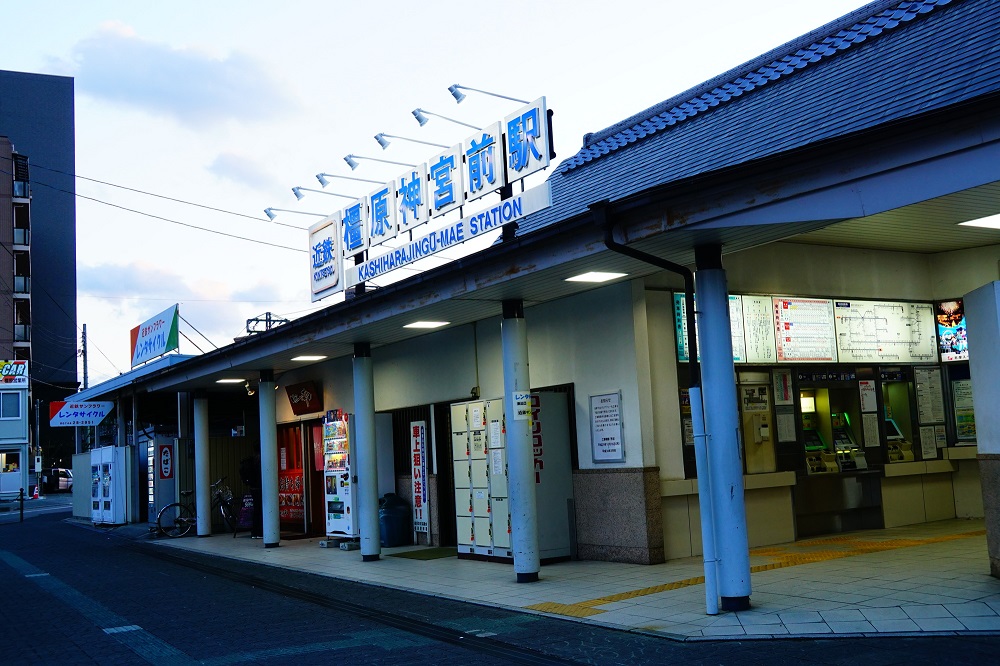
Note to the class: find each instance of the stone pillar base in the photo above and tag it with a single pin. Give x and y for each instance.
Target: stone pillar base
(618, 515)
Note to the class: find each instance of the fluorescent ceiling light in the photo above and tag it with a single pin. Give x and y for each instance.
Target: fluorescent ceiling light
(427, 324)
(991, 222)
(308, 358)
(595, 276)
(229, 381)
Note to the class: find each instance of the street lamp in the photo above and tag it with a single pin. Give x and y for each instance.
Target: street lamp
(322, 178)
(456, 89)
(352, 161)
(383, 140)
(297, 191)
(421, 116)
(270, 212)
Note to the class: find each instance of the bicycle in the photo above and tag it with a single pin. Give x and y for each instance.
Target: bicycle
(177, 519)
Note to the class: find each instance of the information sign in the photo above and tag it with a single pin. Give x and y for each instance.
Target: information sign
(804, 329)
(885, 332)
(418, 468)
(607, 443)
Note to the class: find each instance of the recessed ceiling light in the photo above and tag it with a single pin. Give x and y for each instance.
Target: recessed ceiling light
(991, 222)
(595, 276)
(229, 381)
(427, 324)
(308, 358)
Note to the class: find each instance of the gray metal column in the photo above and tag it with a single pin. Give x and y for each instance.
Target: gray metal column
(722, 426)
(202, 474)
(268, 461)
(520, 456)
(364, 454)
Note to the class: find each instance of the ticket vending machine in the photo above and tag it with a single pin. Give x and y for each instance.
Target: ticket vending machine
(110, 475)
(849, 455)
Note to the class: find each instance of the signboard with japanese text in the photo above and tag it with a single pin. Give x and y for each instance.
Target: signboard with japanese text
(446, 182)
(526, 132)
(484, 172)
(155, 337)
(73, 414)
(606, 439)
(411, 198)
(509, 210)
(418, 461)
(326, 257)
(165, 454)
(14, 373)
(499, 154)
(382, 222)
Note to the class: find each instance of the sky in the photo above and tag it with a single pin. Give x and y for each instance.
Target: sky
(228, 105)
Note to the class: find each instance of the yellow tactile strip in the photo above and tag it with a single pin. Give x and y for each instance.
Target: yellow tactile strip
(784, 556)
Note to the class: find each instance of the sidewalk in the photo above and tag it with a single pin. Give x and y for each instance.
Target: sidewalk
(920, 580)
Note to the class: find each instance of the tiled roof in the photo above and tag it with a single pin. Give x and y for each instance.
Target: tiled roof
(885, 61)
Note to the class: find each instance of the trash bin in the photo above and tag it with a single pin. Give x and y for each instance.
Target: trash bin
(394, 521)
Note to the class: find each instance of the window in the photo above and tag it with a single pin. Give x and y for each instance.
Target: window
(10, 404)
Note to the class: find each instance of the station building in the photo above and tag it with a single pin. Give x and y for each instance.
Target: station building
(819, 190)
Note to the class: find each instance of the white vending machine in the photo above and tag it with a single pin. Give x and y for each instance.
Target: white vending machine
(110, 475)
(479, 457)
(341, 513)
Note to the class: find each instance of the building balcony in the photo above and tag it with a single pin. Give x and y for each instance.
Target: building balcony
(22, 236)
(22, 285)
(21, 189)
(22, 333)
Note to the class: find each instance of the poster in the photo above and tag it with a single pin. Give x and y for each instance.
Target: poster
(953, 342)
(869, 403)
(418, 477)
(786, 426)
(606, 439)
(930, 397)
(782, 382)
(869, 424)
(928, 443)
(965, 415)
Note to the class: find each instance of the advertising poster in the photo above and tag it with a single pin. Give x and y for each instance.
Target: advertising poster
(952, 341)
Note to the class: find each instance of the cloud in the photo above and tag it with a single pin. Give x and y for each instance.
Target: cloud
(242, 170)
(189, 85)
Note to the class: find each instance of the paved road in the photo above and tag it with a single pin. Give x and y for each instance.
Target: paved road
(75, 594)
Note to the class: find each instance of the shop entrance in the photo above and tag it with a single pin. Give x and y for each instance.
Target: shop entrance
(300, 479)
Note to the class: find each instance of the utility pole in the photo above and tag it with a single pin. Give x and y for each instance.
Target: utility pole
(84, 352)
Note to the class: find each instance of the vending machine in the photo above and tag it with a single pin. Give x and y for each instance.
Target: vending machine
(341, 511)
(109, 485)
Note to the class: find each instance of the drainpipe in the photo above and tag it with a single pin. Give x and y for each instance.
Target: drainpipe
(709, 557)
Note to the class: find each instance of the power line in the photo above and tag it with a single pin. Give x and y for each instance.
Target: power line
(167, 219)
(196, 331)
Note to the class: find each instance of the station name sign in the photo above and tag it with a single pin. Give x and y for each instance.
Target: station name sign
(494, 156)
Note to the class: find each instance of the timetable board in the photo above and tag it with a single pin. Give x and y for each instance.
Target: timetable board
(885, 332)
(790, 329)
(735, 322)
(750, 323)
(804, 329)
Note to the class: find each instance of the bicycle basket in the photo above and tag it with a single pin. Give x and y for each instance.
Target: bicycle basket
(225, 493)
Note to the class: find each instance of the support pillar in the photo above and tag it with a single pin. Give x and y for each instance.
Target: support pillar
(364, 453)
(982, 316)
(520, 456)
(202, 474)
(725, 460)
(268, 461)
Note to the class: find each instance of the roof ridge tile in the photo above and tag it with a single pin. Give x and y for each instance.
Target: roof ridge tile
(854, 28)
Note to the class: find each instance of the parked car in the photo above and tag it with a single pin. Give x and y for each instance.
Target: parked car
(57, 479)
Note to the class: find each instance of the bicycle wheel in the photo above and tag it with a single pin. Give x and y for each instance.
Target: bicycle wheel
(228, 515)
(175, 520)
